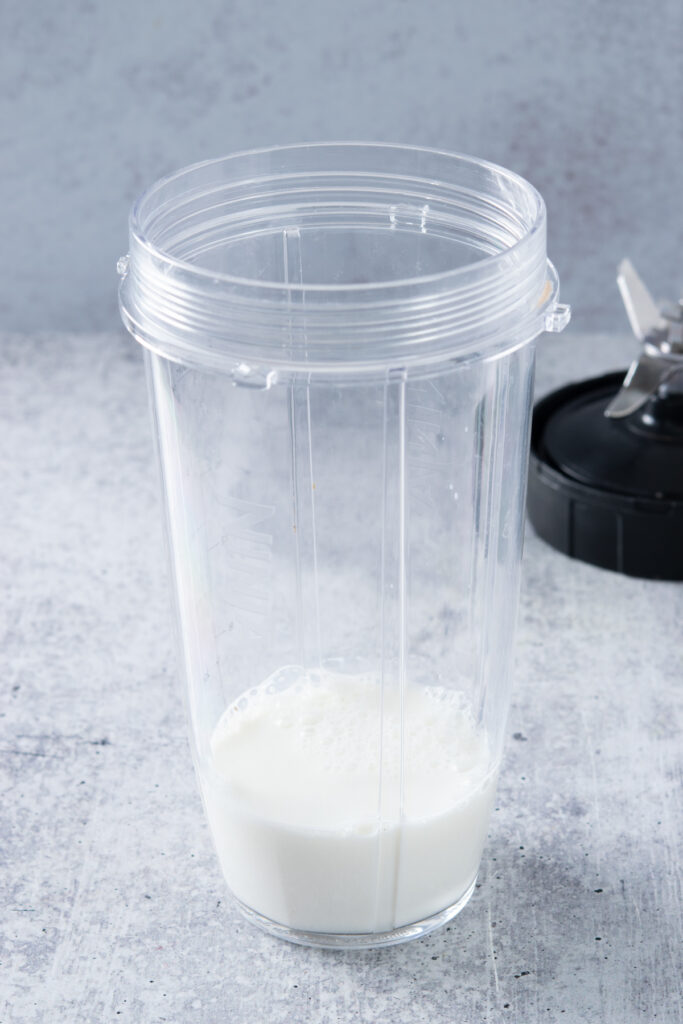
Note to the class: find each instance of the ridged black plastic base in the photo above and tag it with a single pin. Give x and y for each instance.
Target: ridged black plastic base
(608, 492)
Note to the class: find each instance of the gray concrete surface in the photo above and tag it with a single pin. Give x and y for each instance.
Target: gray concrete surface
(113, 908)
(99, 99)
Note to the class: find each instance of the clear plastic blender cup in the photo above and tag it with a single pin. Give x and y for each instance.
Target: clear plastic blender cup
(340, 349)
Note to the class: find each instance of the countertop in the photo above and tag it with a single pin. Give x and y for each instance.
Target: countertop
(113, 905)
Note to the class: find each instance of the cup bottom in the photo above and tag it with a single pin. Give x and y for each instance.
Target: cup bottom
(364, 940)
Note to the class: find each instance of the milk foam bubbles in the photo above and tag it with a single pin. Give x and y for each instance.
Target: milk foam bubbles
(316, 825)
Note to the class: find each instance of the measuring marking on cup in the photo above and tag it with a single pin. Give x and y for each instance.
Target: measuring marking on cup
(340, 344)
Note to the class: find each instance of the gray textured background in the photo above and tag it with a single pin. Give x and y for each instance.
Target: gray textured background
(98, 99)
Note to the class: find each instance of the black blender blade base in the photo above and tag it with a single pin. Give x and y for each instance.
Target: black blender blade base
(609, 491)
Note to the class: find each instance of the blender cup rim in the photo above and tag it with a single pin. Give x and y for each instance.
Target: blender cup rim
(504, 294)
(139, 233)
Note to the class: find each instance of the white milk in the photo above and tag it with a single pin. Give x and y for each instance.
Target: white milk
(305, 834)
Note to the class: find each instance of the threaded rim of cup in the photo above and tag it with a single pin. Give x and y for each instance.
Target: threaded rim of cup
(195, 313)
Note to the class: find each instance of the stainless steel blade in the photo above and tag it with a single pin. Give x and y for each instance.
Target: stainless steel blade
(644, 316)
(641, 382)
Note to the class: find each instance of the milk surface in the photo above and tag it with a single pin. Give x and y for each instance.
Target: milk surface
(316, 825)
